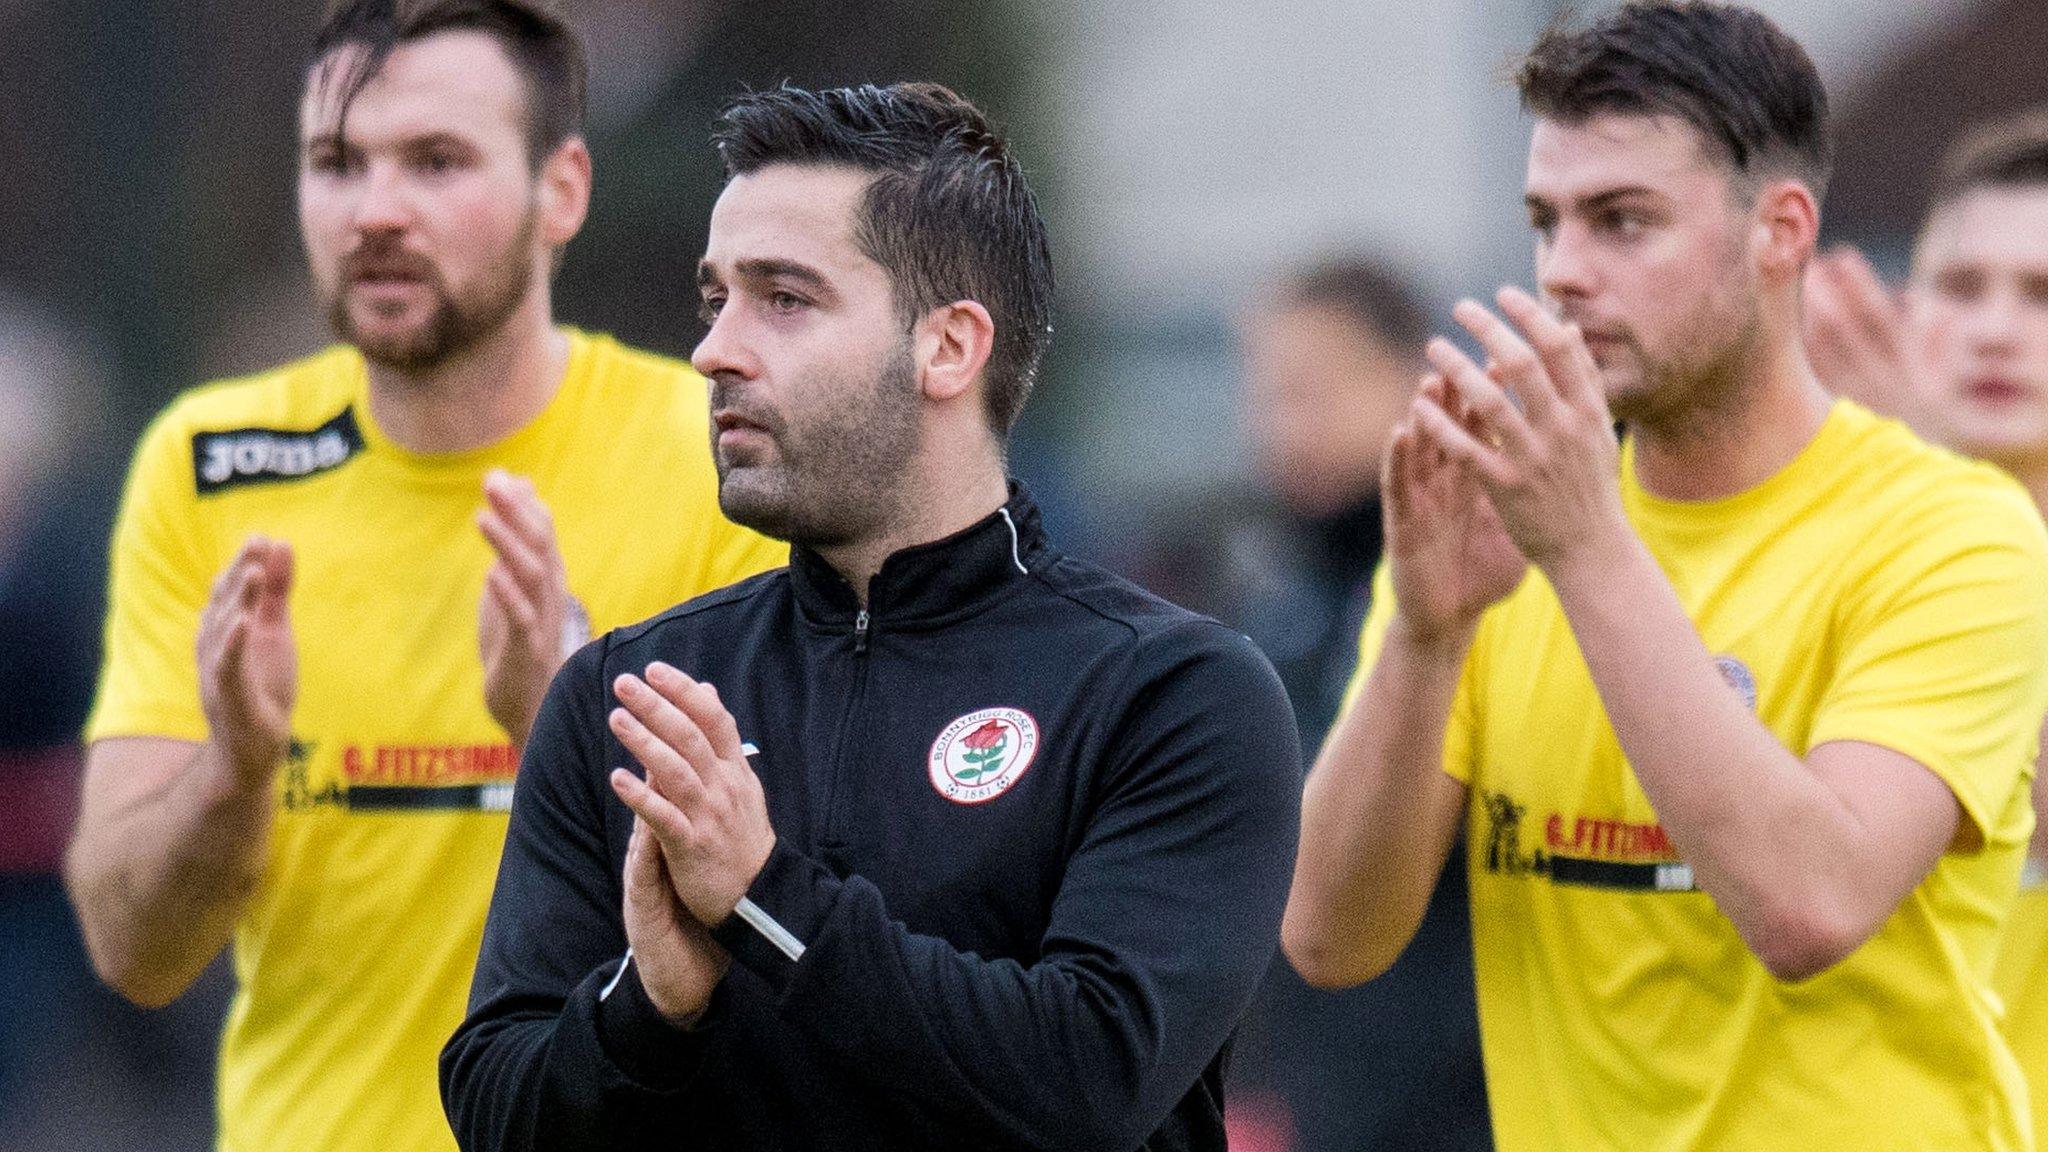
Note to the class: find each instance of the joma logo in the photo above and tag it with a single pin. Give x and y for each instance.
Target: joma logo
(269, 455)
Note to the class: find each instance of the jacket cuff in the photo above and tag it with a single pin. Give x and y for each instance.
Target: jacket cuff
(641, 1043)
(789, 902)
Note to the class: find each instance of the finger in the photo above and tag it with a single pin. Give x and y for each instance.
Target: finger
(699, 700)
(1460, 445)
(233, 643)
(505, 592)
(1431, 465)
(655, 708)
(226, 602)
(666, 822)
(646, 874)
(1481, 397)
(1871, 305)
(1407, 474)
(1553, 342)
(670, 769)
(1836, 337)
(1394, 470)
(515, 500)
(1513, 361)
(236, 570)
(271, 577)
(527, 564)
(639, 862)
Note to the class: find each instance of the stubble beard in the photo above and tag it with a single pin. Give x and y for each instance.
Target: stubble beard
(453, 326)
(1690, 393)
(835, 478)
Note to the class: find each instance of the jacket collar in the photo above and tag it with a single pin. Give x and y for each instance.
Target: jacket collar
(932, 583)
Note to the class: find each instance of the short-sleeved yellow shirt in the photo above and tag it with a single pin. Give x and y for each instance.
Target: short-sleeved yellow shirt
(1875, 589)
(354, 957)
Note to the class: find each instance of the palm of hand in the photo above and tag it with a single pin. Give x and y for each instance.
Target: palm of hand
(518, 662)
(680, 963)
(249, 682)
(1450, 554)
(270, 673)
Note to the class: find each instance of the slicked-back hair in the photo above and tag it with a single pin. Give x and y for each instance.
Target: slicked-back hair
(948, 214)
(1748, 88)
(1366, 293)
(2007, 153)
(541, 45)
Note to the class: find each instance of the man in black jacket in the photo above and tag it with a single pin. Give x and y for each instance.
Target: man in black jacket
(971, 844)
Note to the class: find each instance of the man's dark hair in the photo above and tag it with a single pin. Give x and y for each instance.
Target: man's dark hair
(1367, 294)
(2006, 153)
(948, 214)
(1746, 87)
(541, 45)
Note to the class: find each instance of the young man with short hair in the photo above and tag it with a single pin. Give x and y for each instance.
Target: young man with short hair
(318, 673)
(1738, 713)
(945, 840)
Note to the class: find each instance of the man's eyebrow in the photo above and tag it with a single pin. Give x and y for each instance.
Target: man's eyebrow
(766, 268)
(1596, 201)
(770, 268)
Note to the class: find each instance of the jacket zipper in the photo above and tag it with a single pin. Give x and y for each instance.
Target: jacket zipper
(849, 741)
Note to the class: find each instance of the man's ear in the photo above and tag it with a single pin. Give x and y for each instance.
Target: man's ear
(563, 192)
(953, 343)
(1787, 229)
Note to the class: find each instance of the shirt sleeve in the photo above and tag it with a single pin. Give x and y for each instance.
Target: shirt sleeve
(161, 569)
(1941, 652)
(1460, 726)
(562, 1049)
(1165, 921)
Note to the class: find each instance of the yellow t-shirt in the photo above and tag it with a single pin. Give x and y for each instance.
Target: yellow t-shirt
(2021, 979)
(354, 957)
(1874, 589)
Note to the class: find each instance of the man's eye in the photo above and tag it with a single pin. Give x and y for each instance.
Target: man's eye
(1625, 225)
(709, 307)
(786, 301)
(1959, 285)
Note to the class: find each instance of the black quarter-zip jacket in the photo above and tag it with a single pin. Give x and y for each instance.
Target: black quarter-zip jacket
(1000, 946)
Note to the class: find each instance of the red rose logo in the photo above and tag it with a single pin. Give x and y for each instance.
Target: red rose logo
(980, 755)
(985, 747)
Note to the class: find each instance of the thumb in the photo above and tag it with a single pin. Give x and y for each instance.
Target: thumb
(274, 585)
(644, 877)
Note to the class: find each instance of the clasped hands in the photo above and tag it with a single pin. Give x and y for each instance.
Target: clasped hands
(701, 832)
(1496, 467)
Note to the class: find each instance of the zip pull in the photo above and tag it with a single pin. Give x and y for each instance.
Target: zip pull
(860, 631)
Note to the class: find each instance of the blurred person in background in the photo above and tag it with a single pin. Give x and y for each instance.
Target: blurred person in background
(1738, 713)
(56, 497)
(341, 587)
(1330, 357)
(1963, 352)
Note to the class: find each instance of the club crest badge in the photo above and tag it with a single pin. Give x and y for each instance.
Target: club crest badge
(979, 756)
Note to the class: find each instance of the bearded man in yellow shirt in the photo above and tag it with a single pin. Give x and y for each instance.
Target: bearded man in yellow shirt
(319, 672)
(1739, 712)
